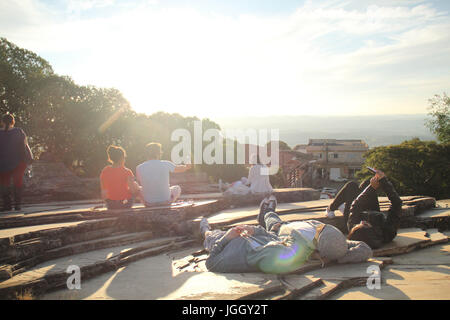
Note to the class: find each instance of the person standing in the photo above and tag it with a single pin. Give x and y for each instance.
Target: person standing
(15, 156)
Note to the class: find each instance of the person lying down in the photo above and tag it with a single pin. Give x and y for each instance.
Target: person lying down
(282, 249)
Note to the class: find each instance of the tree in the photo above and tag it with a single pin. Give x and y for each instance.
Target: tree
(415, 167)
(77, 123)
(440, 111)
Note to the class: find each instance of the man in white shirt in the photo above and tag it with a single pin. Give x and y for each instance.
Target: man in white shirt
(153, 175)
(328, 242)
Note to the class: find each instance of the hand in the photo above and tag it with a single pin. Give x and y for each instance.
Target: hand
(249, 229)
(366, 223)
(234, 232)
(374, 182)
(276, 227)
(380, 174)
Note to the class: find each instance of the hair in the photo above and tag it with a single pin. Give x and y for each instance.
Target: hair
(365, 234)
(115, 154)
(8, 120)
(153, 150)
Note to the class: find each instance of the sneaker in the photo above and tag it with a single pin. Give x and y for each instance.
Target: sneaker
(263, 205)
(262, 211)
(204, 226)
(330, 214)
(272, 203)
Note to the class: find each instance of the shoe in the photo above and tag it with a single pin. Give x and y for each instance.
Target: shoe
(204, 226)
(263, 205)
(330, 214)
(262, 211)
(272, 203)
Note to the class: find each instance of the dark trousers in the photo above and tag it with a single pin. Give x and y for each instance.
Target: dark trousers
(348, 193)
(119, 204)
(16, 175)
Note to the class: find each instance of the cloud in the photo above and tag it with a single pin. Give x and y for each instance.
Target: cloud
(323, 57)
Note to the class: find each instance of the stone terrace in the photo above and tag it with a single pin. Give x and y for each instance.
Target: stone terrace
(154, 253)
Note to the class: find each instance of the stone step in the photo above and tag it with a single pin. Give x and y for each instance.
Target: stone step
(10, 270)
(46, 277)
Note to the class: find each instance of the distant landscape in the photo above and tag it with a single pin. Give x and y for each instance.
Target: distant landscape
(377, 130)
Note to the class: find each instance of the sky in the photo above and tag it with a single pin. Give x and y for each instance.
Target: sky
(211, 58)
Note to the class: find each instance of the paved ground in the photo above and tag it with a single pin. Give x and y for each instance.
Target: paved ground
(423, 274)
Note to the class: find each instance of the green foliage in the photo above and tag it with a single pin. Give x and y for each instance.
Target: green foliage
(415, 167)
(440, 122)
(278, 180)
(281, 145)
(77, 123)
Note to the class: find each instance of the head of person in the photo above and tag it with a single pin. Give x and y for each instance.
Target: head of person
(8, 121)
(364, 232)
(153, 150)
(116, 155)
(332, 244)
(254, 159)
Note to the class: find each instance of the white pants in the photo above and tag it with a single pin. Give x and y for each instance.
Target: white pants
(175, 193)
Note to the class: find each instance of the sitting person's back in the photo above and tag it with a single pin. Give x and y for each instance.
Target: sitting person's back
(154, 178)
(258, 179)
(117, 181)
(154, 174)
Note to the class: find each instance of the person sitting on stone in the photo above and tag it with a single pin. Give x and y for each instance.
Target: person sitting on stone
(327, 242)
(252, 249)
(153, 175)
(374, 227)
(347, 195)
(117, 181)
(258, 178)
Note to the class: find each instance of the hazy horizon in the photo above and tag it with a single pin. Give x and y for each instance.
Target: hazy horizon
(374, 130)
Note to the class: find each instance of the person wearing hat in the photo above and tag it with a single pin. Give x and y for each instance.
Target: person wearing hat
(247, 248)
(327, 242)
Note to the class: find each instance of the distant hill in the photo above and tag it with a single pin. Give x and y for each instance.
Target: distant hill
(375, 130)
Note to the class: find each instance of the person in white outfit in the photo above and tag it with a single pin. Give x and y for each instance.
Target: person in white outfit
(153, 176)
(257, 179)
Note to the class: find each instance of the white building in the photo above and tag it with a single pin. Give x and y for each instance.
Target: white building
(336, 159)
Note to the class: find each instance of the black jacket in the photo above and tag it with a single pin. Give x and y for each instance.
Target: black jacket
(385, 224)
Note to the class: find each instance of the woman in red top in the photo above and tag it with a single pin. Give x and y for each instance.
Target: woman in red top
(117, 181)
